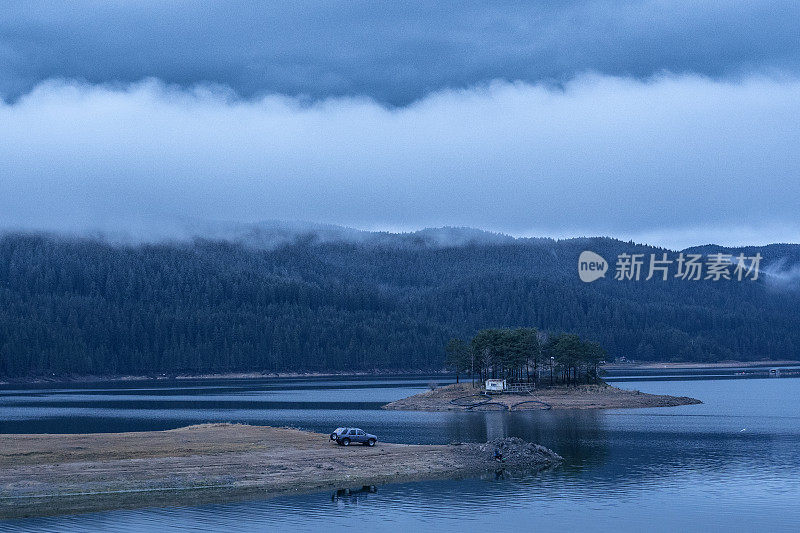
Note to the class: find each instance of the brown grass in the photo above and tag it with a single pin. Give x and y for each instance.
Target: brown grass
(46, 474)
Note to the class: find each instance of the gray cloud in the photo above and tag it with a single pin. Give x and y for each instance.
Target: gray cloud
(392, 52)
(673, 159)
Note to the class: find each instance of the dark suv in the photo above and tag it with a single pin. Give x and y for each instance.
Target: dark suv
(345, 436)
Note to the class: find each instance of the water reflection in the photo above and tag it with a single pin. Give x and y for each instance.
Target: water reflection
(352, 496)
(730, 463)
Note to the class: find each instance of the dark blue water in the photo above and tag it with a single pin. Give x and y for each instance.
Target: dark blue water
(732, 463)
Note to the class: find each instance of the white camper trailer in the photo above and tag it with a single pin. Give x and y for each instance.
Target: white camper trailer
(496, 385)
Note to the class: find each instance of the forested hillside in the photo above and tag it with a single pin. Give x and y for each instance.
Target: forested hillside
(379, 301)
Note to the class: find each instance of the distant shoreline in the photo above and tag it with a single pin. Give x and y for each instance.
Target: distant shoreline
(230, 375)
(692, 366)
(375, 373)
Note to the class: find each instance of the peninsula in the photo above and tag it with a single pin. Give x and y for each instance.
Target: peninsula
(57, 474)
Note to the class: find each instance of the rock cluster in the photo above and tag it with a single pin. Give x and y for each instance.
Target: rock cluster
(516, 450)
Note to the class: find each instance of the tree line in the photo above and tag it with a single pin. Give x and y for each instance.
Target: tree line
(525, 355)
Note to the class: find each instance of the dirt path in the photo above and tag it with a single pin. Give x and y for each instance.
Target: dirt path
(55, 474)
(464, 396)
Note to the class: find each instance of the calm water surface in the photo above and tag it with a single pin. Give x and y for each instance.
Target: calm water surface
(732, 463)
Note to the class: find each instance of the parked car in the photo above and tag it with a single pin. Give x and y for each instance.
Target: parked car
(345, 436)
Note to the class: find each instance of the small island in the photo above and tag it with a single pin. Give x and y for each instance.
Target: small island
(466, 397)
(536, 371)
(46, 474)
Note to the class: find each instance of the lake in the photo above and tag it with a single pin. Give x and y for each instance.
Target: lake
(732, 463)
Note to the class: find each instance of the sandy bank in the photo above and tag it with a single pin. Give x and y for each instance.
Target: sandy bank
(463, 396)
(55, 474)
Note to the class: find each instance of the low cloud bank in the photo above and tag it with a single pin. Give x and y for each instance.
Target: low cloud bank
(667, 158)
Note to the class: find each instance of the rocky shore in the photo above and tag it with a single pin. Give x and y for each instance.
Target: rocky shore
(57, 474)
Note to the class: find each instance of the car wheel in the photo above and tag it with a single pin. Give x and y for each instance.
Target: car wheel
(345, 442)
(371, 442)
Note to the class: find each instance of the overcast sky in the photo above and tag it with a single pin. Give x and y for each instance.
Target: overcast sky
(670, 122)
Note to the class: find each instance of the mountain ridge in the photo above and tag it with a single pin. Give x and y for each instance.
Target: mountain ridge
(83, 306)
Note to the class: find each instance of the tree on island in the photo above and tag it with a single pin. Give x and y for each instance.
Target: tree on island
(574, 358)
(506, 353)
(518, 355)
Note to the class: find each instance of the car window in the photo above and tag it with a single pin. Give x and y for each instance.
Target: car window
(352, 431)
(360, 432)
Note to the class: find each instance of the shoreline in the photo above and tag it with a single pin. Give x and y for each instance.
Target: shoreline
(697, 366)
(230, 375)
(376, 373)
(50, 474)
(465, 397)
